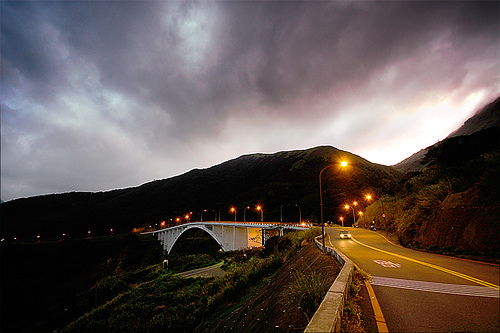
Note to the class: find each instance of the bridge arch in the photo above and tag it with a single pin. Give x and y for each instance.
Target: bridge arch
(201, 227)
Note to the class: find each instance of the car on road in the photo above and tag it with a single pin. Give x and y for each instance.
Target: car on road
(345, 234)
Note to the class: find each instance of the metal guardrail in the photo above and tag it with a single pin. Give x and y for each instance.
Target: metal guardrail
(328, 317)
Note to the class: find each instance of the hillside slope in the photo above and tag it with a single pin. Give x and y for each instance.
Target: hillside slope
(281, 182)
(452, 205)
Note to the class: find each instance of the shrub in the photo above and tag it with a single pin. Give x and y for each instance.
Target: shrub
(307, 290)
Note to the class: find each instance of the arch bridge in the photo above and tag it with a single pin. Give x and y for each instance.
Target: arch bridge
(230, 236)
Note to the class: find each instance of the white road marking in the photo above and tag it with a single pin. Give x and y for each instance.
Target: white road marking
(445, 288)
(386, 263)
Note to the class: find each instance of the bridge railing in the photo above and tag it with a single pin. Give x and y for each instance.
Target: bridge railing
(256, 223)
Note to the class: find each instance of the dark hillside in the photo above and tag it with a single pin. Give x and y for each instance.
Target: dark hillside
(273, 180)
(452, 206)
(43, 284)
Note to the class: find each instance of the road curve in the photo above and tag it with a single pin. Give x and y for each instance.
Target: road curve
(424, 292)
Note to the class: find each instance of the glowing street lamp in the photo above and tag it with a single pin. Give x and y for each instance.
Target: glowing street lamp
(342, 220)
(369, 197)
(234, 210)
(353, 213)
(343, 164)
(201, 218)
(261, 213)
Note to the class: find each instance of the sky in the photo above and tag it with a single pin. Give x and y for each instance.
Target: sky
(97, 95)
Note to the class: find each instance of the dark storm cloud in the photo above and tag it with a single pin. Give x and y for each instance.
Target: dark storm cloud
(154, 79)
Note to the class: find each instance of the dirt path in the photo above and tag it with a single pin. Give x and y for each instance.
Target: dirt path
(210, 271)
(265, 311)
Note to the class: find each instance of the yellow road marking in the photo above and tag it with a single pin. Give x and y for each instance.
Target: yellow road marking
(446, 270)
(377, 310)
(379, 316)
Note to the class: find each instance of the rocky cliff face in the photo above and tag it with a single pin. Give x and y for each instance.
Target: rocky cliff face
(463, 221)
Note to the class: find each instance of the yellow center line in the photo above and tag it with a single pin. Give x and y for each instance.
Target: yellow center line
(377, 310)
(446, 270)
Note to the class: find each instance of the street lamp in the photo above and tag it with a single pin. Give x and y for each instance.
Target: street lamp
(343, 164)
(281, 213)
(342, 220)
(234, 210)
(300, 213)
(261, 213)
(201, 218)
(369, 197)
(245, 213)
(361, 214)
(353, 213)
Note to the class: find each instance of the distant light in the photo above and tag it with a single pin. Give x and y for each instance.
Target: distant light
(343, 163)
(368, 197)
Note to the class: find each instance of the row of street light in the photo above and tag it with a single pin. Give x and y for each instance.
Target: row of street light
(38, 238)
(232, 210)
(360, 212)
(217, 217)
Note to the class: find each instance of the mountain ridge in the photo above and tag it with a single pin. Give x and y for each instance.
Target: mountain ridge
(484, 118)
(284, 178)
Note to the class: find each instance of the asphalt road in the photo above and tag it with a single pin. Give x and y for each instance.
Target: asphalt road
(424, 292)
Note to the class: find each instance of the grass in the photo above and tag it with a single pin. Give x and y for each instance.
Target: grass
(307, 290)
(351, 316)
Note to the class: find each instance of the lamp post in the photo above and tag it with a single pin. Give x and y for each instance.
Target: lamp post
(369, 197)
(300, 213)
(342, 220)
(362, 214)
(281, 213)
(245, 213)
(353, 213)
(261, 213)
(234, 210)
(343, 164)
(201, 218)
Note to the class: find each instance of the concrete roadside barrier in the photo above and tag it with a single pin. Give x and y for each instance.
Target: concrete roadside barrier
(328, 317)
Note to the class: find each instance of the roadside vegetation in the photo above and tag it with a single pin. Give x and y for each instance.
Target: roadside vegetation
(352, 321)
(452, 206)
(161, 301)
(307, 291)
